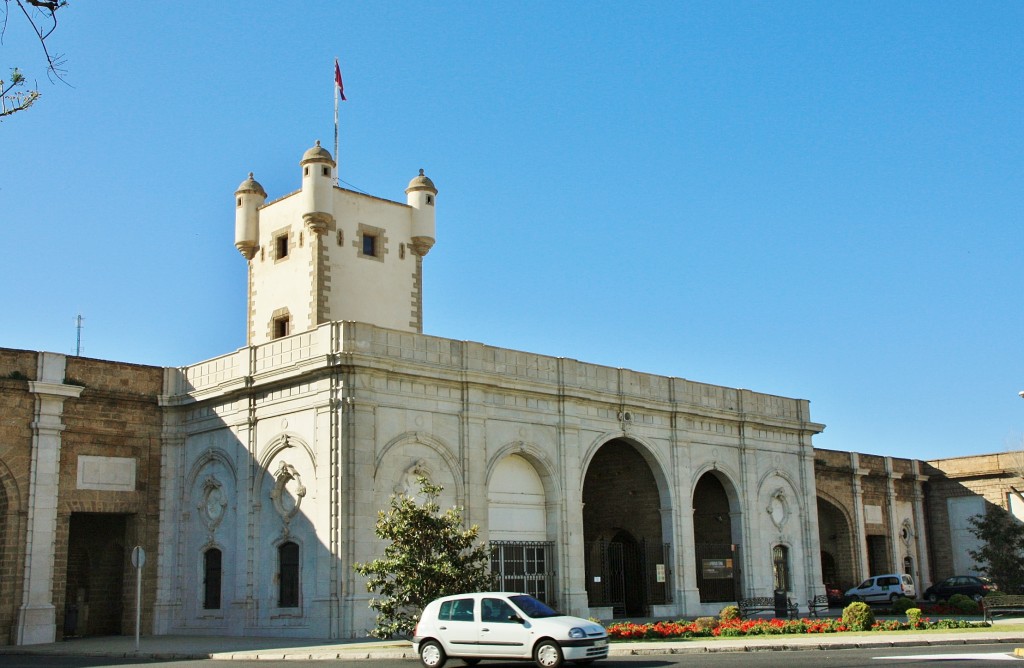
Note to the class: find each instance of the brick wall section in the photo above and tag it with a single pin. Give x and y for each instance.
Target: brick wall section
(16, 412)
(117, 415)
(988, 476)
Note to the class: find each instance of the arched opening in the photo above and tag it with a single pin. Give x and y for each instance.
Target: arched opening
(716, 544)
(626, 557)
(522, 557)
(835, 537)
(211, 579)
(95, 574)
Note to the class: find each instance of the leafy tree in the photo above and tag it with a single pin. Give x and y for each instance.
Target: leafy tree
(430, 555)
(1001, 556)
(41, 16)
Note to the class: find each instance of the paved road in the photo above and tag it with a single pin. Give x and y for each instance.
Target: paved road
(974, 656)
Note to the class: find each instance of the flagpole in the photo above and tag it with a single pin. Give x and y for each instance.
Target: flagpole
(337, 162)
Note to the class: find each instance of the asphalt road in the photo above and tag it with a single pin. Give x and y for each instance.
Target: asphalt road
(946, 656)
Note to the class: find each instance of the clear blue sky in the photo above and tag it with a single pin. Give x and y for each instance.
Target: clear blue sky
(817, 200)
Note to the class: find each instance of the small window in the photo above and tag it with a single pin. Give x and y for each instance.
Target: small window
(288, 575)
(430, 199)
(239, 201)
(341, 237)
(281, 246)
(211, 579)
(327, 171)
(369, 245)
(282, 327)
(305, 171)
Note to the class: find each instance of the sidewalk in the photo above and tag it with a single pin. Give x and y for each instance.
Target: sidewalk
(253, 649)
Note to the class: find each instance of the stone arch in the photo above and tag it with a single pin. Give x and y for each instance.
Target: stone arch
(627, 525)
(837, 541)
(437, 446)
(717, 534)
(277, 445)
(210, 455)
(518, 495)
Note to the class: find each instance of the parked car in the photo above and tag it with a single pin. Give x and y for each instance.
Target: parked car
(504, 625)
(886, 588)
(969, 585)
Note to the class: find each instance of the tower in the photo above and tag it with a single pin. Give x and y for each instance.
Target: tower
(325, 253)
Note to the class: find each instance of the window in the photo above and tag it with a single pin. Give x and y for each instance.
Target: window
(281, 246)
(211, 579)
(288, 575)
(369, 245)
(282, 326)
(497, 610)
(523, 567)
(459, 610)
(327, 170)
(780, 567)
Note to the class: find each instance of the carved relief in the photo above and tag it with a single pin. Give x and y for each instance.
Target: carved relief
(407, 483)
(287, 493)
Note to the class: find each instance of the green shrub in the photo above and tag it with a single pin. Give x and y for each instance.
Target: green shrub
(729, 613)
(902, 604)
(965, 605)
(706, 623)
(858, 616)
(914, 617)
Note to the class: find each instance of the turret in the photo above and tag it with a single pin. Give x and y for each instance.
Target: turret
(317, 186)
(249, 197)
(420, 195)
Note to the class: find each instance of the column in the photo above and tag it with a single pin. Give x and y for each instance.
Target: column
(36, 621)
(920, 530)
(860, 550)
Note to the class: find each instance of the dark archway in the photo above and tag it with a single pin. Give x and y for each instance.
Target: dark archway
(96, 570)
(627, 560)
(836, 540)
(715, 542)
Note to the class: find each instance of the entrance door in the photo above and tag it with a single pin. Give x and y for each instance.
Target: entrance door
(94, 593)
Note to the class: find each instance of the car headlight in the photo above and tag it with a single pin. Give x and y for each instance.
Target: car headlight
(577, 632)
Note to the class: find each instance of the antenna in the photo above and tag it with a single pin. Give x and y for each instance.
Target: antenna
(78, 335)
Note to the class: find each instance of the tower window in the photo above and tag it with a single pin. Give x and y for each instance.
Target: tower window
(327, 171)
(305, 171)
(370, 245)
(281, 246)
(239, 201)
(282, 326)
(211, 579)
(371, 242)
(288, 575)
(430, 199)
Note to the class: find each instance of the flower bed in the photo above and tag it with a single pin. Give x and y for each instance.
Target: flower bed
(757, 627)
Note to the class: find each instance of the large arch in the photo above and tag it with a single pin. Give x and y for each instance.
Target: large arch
(522, 522)
(717, 533)
(835, 535)
(626, 529)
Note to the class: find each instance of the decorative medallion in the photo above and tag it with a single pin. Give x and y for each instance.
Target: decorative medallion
(906, 532)
(778, 508)
(213, 503)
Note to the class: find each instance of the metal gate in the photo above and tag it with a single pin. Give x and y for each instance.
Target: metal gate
(718, 573)
(628, 577)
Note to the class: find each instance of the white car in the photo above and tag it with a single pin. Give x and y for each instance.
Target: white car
(504, 625)
(888, 587)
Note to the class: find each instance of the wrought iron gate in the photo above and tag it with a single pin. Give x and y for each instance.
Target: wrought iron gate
(528, 567)
(628, 577)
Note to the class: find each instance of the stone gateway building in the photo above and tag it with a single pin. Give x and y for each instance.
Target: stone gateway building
(253, 480)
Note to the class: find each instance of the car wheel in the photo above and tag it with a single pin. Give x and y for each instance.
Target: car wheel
(892, 599)
(432, 654)
(933, 598)
(547, 654)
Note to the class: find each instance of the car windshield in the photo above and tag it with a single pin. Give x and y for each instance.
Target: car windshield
(533, 608)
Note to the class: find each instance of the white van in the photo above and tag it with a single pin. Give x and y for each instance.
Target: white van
(887, 588)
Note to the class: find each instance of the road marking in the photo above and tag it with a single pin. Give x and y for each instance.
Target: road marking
(950, 657)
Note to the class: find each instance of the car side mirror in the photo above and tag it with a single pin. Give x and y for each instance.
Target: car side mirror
(515, 618)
